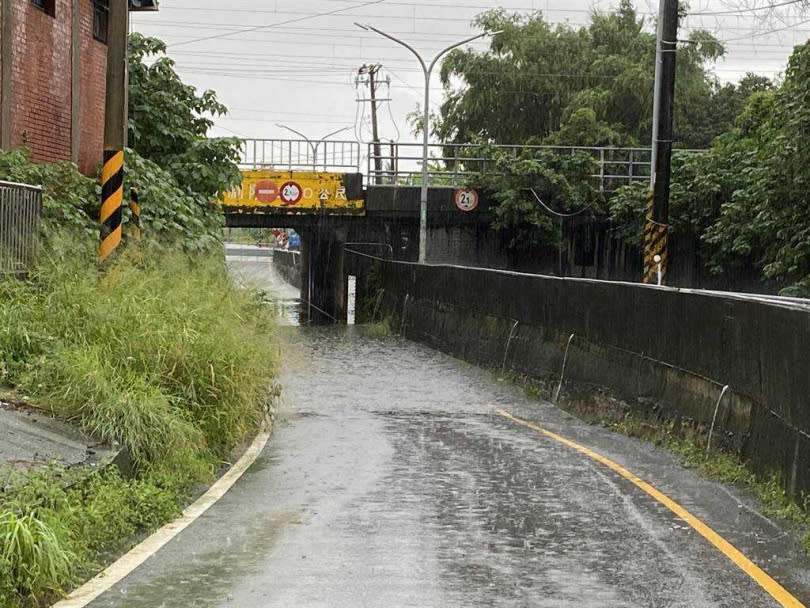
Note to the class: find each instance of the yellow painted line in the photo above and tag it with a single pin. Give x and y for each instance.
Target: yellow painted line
(779, 593)
(93, 588)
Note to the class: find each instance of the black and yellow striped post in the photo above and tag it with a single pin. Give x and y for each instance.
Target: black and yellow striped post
(115, 128)
(135, 207)
(655, 244)
(112, 198)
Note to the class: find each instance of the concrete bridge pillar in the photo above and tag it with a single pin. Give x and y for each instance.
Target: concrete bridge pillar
(323, 284)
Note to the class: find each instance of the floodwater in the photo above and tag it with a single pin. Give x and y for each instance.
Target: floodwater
(391, 481)
(253, 267)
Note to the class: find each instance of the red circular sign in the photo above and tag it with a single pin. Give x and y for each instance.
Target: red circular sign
(266, 191)
(466, 200)
(291, 193)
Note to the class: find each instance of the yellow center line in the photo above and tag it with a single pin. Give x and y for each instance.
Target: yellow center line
(779, 593)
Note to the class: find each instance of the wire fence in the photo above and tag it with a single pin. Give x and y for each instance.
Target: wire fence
(20, 214)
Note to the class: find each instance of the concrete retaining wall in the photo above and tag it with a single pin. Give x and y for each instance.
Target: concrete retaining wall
(670, 351)
(288, 264)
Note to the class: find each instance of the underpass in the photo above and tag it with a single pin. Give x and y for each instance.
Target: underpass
(394, 479)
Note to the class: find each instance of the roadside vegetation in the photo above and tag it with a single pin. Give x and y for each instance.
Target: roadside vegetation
(722, 465)
(592, 85)
(688, 443)
(156, 352)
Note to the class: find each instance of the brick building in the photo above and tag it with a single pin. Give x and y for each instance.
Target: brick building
(52, 89)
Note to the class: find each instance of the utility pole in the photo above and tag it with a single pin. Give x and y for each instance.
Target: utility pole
(657, 211)
(375, 134)
(115, 128)
(373, 71)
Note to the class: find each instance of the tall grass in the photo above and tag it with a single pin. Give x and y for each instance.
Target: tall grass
(31, 556)
(167, 357)
(164, 356)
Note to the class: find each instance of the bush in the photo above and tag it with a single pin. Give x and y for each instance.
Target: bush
(170, 214)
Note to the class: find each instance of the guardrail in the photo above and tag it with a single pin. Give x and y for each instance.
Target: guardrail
(400, 164)
(451, 164)
(300, 154)
(20, 214)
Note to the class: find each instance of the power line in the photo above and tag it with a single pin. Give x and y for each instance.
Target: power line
(743, 11)
(296, 20)
(766, 33)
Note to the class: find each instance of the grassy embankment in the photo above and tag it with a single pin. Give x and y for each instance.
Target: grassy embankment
(165, 357)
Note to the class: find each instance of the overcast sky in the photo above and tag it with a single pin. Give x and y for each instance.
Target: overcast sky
(279, 61)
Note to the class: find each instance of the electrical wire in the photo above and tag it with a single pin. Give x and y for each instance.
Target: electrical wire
(557, 213)
(766, 33)
(742, 11)
(287, 22)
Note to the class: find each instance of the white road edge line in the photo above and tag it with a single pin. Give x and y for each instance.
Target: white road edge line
(120, 569)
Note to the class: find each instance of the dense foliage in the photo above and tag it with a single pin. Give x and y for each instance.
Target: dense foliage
(169, 122)
(561, 181)
(580, 86)
(746, 198)
(170, 215)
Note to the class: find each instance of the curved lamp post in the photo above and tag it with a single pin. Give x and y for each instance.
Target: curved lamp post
(427, 70)
(314, 146)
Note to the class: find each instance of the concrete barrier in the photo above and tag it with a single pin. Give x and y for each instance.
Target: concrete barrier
(668, 351)
(288, 263)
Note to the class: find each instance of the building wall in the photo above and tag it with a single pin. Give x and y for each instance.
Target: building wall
(92, 98)
(41, 83)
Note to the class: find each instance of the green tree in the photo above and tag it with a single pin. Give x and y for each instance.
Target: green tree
(561, 181)
(169, 122)
(766, 220)
(536, 80)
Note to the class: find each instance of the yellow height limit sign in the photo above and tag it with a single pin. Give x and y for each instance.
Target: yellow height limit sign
(297, 192)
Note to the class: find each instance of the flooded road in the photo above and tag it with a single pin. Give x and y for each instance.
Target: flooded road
(391, 481)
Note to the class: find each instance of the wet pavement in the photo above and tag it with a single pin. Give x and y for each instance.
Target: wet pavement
(390, 481)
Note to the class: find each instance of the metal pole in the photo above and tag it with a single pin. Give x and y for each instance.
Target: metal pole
(657, 218)
(427, 70)
(314, 147)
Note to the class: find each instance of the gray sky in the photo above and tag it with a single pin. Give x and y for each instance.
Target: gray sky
(301, 73)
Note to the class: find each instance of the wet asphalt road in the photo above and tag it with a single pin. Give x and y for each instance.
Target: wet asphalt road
(391, 482)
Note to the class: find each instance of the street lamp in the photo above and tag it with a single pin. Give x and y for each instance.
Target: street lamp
(314, 146)
(426, 69)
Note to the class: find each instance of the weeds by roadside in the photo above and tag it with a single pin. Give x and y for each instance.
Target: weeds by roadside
(166, 358)
(723, 466)
(690, 447)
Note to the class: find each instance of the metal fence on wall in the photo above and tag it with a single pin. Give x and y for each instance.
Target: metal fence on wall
(300, 155)
(452, 164)
(20, 213)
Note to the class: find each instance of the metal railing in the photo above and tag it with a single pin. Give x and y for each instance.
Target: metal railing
(20, 214)
(452, 164)
(300, 154)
